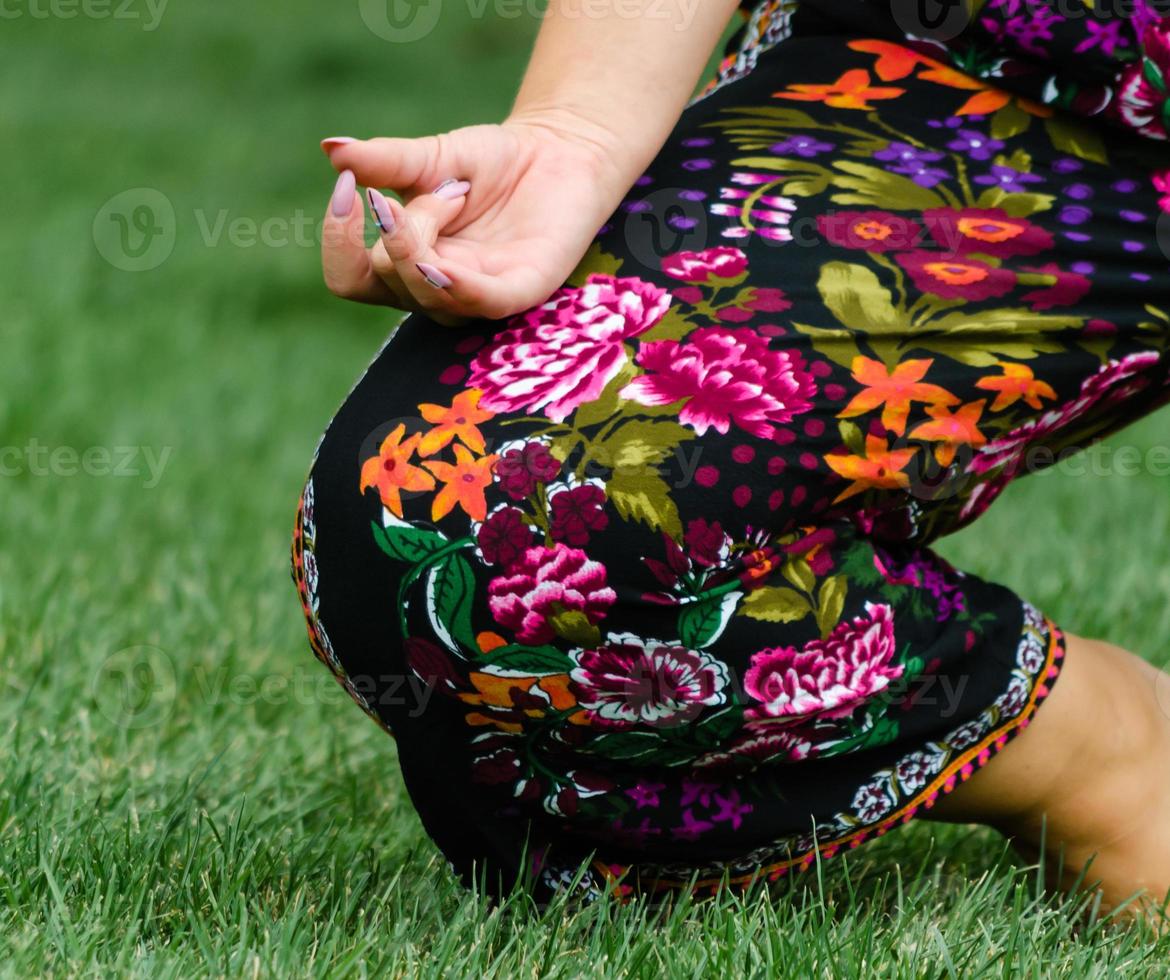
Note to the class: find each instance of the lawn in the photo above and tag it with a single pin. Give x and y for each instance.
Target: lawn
(242, 818)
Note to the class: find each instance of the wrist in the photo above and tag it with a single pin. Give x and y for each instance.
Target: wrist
(597, 148)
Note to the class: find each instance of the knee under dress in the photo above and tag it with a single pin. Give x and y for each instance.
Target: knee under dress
(641, 580)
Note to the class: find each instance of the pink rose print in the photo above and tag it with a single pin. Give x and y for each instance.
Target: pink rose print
(828, 678)
(722, 262)
(562, 354)
(725, 376)
(631, 681)
(545, 582)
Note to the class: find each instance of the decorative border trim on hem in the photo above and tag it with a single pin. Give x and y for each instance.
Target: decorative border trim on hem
(959, 770)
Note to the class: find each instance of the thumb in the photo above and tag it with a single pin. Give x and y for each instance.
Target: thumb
(408, 166)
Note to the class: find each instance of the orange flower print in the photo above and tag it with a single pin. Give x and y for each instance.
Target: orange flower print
(879, 469)
(894, 61)
(896, 390)
(457, 422)
(463, 483)
(1017, 381)
(851, 91)
(390, 471)
(952, 430)
(507, 701)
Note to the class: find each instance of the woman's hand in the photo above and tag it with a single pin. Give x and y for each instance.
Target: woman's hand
(496, 217)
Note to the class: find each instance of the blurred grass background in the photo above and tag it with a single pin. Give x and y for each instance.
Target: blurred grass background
(236, 829)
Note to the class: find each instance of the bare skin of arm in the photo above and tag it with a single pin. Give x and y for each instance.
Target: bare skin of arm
(523, 199)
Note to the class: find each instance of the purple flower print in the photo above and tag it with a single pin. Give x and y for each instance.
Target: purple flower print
(913, 162)
(827, 678)
(645, 794)
(801, 146)
(1008, 178)
(1106, 35)
(576, 513)
(724, 377)
(546, 582)
(562, 354)
(730, 809)
(975, 145)
(630, 681)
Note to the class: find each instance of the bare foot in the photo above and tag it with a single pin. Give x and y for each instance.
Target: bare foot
(1087, 783)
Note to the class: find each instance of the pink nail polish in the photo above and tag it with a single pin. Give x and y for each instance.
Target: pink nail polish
(381, 212)
(433, 275)
(451, 189)
(333, 142)
(342, 202)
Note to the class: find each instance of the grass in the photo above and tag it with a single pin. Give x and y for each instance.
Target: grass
(246, 821)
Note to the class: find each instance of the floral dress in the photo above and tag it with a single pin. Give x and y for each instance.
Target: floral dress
(641, 579)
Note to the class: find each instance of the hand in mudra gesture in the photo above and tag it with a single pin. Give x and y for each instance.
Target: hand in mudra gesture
(495, 217)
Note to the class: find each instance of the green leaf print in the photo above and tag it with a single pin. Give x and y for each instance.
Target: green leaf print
(1076, 139)
(700, 623)
(776, 604)
(596, 261)
(876, 188)
(855, 296)
(406, 543)
(450, 589)
(531, 660)
(641, 495)
(831, 603)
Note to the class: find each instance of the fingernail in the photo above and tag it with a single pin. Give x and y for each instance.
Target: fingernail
(335, 141)
(433, 275)
(451, 189)
(381, 212)
(342, 201)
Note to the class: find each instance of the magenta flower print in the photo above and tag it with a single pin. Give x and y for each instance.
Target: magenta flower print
(873, 231)
(1143, 97)
(630, 681)
(520, 471)
(576, 512)
(504, 536)
(761, 746)
(722, 262)
(827, 678)
(1162, 183)
(560, 355)
(544, 583)
(724, 377)
(957, 277)
(987, 231)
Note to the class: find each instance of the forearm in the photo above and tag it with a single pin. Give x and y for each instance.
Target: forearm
(620, 72)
